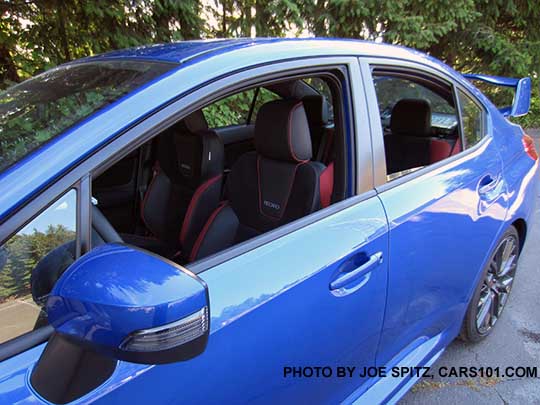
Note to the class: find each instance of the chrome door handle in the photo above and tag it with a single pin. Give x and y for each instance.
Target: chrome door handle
(345, 278)
(488, 184)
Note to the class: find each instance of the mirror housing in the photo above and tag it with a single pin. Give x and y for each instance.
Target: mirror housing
(132, 305)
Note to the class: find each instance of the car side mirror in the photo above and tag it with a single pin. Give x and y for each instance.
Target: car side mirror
(132, 305)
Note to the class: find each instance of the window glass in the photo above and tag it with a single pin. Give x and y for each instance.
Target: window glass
(409, 145)
(44, 247)
(392, 89)
(472, 117)
(322, 87)
(43, 107)
(232, 110)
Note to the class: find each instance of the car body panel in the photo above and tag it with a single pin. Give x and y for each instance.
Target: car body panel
(251, 338)
(439, 237)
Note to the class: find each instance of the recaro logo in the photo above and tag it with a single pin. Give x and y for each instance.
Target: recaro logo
(271, 204)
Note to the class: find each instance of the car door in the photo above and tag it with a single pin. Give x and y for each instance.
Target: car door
(443, 220)
(287, 308)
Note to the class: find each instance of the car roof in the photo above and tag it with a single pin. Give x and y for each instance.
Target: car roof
(198, 62)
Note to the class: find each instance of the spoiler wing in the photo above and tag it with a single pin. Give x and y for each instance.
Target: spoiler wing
(522, 96)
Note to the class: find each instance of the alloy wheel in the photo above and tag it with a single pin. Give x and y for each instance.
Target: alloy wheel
(497, 284)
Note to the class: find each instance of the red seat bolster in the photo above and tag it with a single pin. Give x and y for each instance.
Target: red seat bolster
(326, 185)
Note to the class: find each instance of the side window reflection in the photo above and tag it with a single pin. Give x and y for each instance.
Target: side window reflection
(27, 260)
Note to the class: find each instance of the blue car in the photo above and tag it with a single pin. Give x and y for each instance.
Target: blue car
(253, 220)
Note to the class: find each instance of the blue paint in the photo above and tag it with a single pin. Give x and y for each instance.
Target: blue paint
(522, 99)
(131, 291)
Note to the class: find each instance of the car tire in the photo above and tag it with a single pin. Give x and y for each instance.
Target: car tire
(492, 292)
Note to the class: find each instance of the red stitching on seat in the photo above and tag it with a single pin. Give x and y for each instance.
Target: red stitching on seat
(193, 202)
(289, 136)
(201, 236)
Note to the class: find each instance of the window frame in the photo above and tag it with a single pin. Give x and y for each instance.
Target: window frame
(19, 220)
(79, 176)
(250, 78)
(368, 64)
(483, 111)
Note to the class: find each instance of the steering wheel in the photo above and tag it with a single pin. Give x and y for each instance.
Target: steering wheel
(53, 264)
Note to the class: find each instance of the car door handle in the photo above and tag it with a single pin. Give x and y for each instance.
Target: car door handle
(487, 184)
(343, 279)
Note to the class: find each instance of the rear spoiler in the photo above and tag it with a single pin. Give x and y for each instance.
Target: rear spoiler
(522, 97)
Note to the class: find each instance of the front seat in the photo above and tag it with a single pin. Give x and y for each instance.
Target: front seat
(276, 184)
(185, 188)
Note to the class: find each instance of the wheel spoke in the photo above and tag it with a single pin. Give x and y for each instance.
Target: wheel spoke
(494, 308)
(508, 265)
(484, 312)
(508, 249)
(504, 284)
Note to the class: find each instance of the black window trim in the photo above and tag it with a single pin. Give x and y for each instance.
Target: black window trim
(252, 106)
(460, 115)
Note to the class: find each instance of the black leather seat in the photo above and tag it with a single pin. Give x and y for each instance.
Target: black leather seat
(276, 184)
(185, 188)
(318, 113)
(408, 146)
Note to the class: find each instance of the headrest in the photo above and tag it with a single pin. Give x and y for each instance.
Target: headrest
(317, 110)
(282, 131)
(195, 121)
(190, 158)
(200, 156)
(411, 117)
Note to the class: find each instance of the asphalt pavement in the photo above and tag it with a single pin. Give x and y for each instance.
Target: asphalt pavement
(515, 341)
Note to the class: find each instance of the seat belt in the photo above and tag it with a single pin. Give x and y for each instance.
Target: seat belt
(144, 170)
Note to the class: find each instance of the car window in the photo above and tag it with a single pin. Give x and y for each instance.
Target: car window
(34, 111)
(392, 89)
(472, 120)
(44, 246)
(322, 87)
(405, 104)
(234, 109)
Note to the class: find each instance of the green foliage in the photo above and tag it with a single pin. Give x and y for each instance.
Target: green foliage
(43, 107)
(493, 37)
(234, 110)
(21, 254)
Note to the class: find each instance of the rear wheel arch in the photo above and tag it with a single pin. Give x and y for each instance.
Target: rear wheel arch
(521, 227)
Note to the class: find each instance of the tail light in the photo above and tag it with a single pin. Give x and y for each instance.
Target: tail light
(528, 145)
